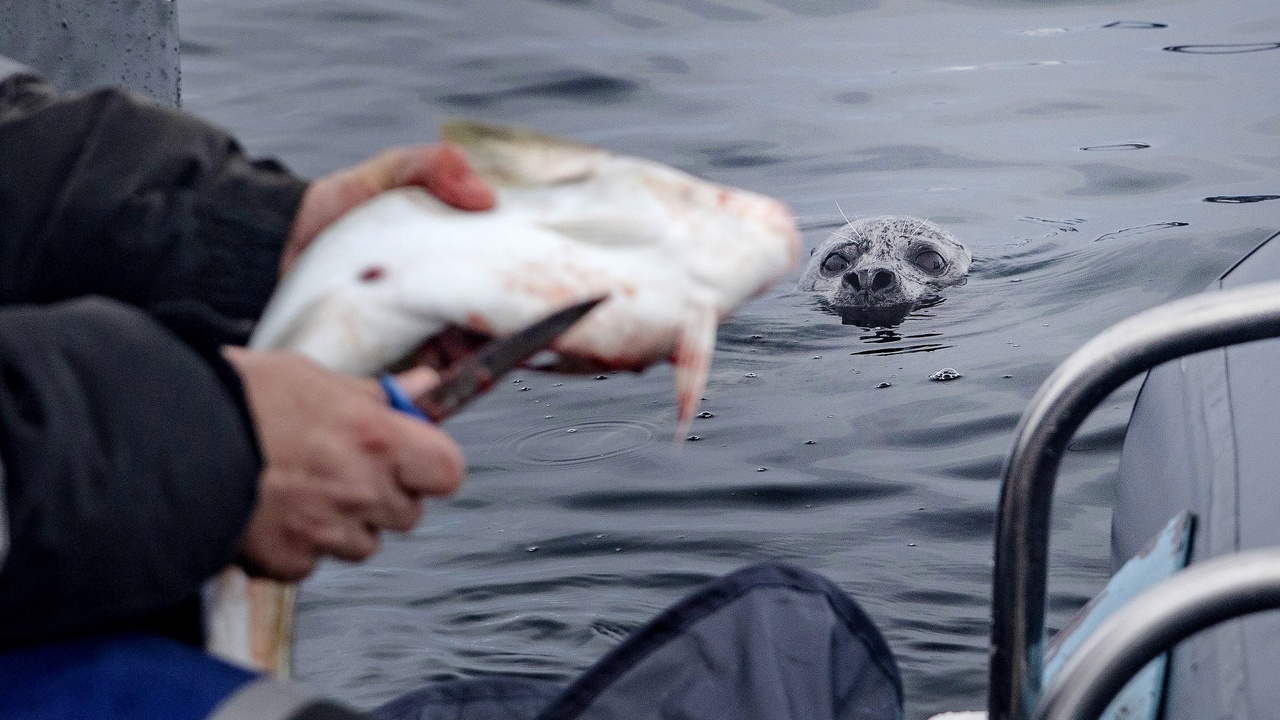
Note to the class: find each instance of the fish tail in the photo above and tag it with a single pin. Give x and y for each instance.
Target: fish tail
(692, 360)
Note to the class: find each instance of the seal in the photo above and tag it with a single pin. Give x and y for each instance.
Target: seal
(874, 271)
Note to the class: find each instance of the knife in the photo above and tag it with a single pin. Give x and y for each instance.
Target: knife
(472, 376)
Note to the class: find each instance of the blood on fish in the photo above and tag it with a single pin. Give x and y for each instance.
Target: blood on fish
(477, 322)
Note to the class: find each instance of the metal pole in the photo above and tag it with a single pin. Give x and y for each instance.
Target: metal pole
(1196, 598)
(1183, 327)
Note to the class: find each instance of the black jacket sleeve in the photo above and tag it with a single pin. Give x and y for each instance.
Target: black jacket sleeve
(109, 194)
(128, 468)
(128, 464)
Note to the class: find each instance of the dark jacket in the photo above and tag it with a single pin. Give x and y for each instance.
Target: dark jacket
(134, 241)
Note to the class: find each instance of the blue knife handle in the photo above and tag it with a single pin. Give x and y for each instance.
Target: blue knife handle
(399, 399)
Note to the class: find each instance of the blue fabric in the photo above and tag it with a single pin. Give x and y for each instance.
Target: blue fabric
(118, 677)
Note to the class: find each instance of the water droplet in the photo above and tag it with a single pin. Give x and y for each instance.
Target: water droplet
(517, 381)
(617, 549)
(532, 548)
(946, 374)
(526, 388)
(547, 417)
(757, 337)
(557, 384)
(749, 375)
(600, 536)
(881, 386)
(572, 430)
(602, 377)
(809, 505)
(694, 438)
(920, 508)
(911, 544)
(1006, 377)
(761, 469)
(704, 414)
(810, 442)
(1015, 280)
(817, 357)
(831, 417)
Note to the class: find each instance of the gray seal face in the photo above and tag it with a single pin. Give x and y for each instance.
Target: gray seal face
(874, 271)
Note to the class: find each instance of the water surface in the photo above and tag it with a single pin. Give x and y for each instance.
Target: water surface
(1097, 158)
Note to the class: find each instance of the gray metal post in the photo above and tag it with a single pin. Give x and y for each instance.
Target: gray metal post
(79, 44)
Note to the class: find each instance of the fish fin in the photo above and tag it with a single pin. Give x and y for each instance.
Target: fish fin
(611, 230)
(515, 156)
(692, 360)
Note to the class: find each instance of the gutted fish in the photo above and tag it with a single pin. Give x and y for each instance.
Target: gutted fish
(675, 254)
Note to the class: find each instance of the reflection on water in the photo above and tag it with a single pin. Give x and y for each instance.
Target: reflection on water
(990, 118)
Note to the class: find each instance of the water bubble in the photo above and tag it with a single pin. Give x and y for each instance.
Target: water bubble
(817, 357)
(694, 438)
(749, 375)
(1006, 377)
(704, 414)
(810, 442)
(600, 536)
(757, 337)
(547, 417)
(557, 385)
(881, 386)
(762, 469)
(946, 374)
(531, 548)
(572, 430)
(602, 377)
(525, 389)
(911, 544)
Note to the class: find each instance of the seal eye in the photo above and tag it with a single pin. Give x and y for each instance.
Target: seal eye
(931, 261)
(834, 263)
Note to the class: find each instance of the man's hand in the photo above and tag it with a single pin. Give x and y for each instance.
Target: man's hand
(339, 464)
(442, 170)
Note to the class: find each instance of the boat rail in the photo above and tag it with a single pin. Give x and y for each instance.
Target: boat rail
(1199, 597)
(1124, 351)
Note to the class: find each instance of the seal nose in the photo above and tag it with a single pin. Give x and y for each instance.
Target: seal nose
(871, 279)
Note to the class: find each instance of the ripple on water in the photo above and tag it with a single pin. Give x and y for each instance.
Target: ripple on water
(1117, 146)
(1225, 49)
(1240, 199)
(1134, 25)
(584, 442)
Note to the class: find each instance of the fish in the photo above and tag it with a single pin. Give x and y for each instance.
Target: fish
(675, 254)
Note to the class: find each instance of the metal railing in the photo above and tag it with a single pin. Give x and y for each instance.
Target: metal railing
(1199, 597)
(1129, 348)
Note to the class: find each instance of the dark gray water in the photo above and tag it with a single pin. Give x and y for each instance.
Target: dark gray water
(1097, 158)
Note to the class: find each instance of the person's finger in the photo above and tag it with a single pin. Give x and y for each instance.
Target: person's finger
(344, 537)
(427, 460)
(418, 380)
(442, 169)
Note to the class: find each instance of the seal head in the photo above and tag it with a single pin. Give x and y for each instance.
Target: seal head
(874, 271)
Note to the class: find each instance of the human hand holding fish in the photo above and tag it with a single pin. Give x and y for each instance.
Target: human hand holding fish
(675, 255)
